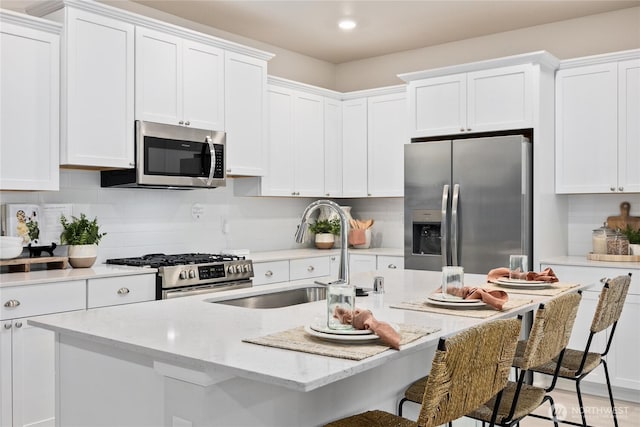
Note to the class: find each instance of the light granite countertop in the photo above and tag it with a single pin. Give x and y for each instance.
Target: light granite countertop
(582, 261)
(63, 275)
(310, 252)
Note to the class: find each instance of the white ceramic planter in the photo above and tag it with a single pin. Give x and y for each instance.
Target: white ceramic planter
(325, 240)
(82, 256)
(634, 249)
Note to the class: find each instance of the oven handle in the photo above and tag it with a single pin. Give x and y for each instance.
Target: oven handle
(212, 167)
(205, 289)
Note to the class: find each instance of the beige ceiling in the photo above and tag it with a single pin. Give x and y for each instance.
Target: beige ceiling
(384, 26)
(310, 27)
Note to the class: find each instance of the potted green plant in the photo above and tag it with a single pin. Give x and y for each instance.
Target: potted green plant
(325, 231)
(634, 239)
(83, 237)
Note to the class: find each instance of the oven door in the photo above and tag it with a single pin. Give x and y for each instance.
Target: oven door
(179, 156)
(204, 289)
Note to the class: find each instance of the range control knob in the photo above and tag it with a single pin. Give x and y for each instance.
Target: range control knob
(192, 274)
(246, 268)
(231, 269)
(182, 275)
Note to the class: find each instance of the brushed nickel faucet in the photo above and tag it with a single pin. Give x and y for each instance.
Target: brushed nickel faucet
(343, 269)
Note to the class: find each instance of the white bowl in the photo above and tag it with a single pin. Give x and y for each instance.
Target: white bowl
(10, 247)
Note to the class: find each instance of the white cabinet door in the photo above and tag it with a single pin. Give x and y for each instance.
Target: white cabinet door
(265, 273)
(307, 268)
(33, 356)
(202, 85)
(29, 108)
(438, 106)
(245, 111)
(158, 77)
(360, 263)
(308, 125)
(625, 348)
(106, 291)
(280, 179)
(629, 126)
(500, 99)
(387, 134)
(97, 123)
(6, 397)
(586, 129)
(354, 148)
(332, 148)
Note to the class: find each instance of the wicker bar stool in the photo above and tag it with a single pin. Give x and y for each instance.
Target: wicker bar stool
(548, 337)
(577, 364)
(468, 368)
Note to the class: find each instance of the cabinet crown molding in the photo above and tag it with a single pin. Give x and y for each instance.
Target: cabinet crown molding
(600, 59)
(10, 17)
(340, 96)
(47, 7)
(542, 58)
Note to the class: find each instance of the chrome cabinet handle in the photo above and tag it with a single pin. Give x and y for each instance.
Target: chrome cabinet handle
(391, 266)
(310, 268)
(612, 188)
(7, 325)
(333, 258)
(181, 122)
(187, 123)
(461, 129)
(123, 291)
(12, 303)
(18, 324)
(620, 188)
(269, 273)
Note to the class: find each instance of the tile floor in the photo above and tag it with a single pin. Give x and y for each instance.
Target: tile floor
(598, 415)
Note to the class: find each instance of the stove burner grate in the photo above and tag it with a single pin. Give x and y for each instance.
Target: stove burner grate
(162, 260)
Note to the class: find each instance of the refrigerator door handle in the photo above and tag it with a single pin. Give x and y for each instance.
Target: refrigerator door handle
(454, 225)
(444, 225)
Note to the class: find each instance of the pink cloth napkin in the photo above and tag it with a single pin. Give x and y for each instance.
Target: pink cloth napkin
(546, 275)
(495, 298)
(357, 236)
(363, 319)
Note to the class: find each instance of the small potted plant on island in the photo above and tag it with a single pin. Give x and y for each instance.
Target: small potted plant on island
(83, 237)
(325, 231)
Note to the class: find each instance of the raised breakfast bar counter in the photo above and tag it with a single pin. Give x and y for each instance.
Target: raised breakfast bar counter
(182, 362)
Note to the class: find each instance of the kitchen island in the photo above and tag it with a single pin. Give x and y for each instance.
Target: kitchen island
(182, 362)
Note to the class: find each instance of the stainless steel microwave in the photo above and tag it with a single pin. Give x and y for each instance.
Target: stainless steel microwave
(169, 156)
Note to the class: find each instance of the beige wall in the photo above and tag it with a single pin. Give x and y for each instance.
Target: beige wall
(595, 34)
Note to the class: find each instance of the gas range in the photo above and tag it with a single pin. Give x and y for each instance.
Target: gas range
(193, 273)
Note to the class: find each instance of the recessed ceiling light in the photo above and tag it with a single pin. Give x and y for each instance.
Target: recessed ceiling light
(347, 24)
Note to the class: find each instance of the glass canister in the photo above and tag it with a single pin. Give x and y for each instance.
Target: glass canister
(599, 239)
(618, 244)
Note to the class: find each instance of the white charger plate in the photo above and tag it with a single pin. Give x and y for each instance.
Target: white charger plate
(475, 304)
(439, 297)
(323, 328)
(529, 284)
(345, 338)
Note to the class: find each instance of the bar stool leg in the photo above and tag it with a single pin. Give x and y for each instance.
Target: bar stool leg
(613, 405)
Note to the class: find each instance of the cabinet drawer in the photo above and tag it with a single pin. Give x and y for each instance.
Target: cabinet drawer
(120, 290)
(46, 298)
(270, 272)
(390, 262)
(309, 267)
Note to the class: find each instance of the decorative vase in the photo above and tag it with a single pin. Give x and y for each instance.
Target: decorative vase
(82, 256)
(324, 240)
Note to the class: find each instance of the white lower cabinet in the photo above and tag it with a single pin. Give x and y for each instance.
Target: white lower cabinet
(360, 263)
(624, 370)
(265, 273)
(307, 268)
(107, 291)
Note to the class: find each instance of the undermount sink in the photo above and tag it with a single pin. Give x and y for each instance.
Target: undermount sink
(279, 299)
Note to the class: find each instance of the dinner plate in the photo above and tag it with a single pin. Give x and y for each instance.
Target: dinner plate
(475, 304)
(527, 284)
(439, 297)
(323, 328)
(344, 338)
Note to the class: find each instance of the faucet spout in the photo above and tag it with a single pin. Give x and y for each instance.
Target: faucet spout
(343, 269)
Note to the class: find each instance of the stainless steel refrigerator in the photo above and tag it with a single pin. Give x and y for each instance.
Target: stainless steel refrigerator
(467, 202)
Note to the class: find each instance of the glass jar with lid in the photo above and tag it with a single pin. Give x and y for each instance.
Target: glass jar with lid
(599, 239)
(618, 244)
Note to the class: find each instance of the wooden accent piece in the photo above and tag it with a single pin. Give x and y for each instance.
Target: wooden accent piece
(624, 219)
(617, 258)
(23, 265)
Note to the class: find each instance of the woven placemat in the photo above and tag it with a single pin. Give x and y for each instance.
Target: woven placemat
(555, 289)
(297, 339)
(480, 313)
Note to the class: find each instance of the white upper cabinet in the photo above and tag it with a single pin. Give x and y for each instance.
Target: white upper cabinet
(597, 127)
(245, 95)
(486, 100)
(98, 91)
(387, 134)
(178, 81)
(354, 148)
(296, 144)
(29, 103)
(332, 147)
